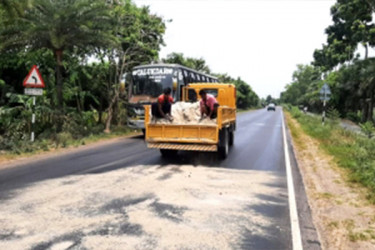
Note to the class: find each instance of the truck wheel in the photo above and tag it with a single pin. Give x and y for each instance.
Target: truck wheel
(231, 138)
(168, 153)
(223, 148)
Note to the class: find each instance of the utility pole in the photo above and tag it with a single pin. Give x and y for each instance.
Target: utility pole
(325, 95)
(324, 112)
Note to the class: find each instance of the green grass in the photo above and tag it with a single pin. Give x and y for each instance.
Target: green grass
(350, 150)
(324, 195)
(333, 224)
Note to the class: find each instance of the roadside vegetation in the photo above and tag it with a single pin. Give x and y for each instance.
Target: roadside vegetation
(85, 51)
(82, 48)
(338, 63)
(350, 150)
(351, 77)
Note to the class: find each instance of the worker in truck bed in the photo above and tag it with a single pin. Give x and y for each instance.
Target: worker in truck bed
(208, 105)
(163, 107)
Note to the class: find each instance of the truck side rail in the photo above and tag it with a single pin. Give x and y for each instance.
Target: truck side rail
(225, 115)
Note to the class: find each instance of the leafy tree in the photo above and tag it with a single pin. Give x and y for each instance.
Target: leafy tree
(366, 88)
(352, 25)
(59, 25)
(198, 64)
(306, 80)
(225, 78)
(15, 8)
(140, 34)
(246, 97)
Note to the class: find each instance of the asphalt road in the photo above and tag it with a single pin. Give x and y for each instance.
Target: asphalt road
(247, 195)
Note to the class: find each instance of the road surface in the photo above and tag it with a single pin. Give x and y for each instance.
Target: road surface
(125, 196)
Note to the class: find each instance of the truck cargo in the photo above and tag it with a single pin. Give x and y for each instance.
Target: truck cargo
(214, 136)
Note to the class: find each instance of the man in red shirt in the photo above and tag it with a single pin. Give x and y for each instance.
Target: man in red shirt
(163, 107)
(208, 104)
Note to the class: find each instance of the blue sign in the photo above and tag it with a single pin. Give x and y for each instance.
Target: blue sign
(325, 93)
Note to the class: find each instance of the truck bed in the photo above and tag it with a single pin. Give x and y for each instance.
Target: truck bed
(201, 134)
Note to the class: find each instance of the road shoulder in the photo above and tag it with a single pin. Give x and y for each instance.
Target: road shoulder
(309, 234)
(6, 163)
(343, 217)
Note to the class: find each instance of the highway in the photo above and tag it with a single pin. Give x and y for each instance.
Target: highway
(125, 196)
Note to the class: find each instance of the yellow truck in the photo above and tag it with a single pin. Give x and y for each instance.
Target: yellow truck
(216, 137)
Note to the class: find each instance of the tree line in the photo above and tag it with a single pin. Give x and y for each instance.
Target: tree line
(246, 97)
(338, 63)
(83, 48)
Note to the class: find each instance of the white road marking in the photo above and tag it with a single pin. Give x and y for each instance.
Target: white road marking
(296, 232)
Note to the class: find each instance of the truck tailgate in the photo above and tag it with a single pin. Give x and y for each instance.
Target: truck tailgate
(170, 133)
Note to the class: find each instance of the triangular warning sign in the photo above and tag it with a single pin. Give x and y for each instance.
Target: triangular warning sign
(34, 79)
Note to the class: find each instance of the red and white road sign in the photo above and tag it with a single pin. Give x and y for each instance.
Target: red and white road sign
(34, 79)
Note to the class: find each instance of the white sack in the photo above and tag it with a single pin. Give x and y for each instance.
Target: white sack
(185, 113)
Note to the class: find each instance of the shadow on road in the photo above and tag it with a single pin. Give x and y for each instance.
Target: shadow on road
(192, 158)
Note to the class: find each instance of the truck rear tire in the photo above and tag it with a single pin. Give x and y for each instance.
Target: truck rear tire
(231, 138)
(168, 153)
(223, 148)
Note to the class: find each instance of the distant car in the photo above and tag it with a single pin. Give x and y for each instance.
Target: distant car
(271, 106)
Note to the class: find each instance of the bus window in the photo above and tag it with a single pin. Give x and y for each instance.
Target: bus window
(186, 77)
(192, 76)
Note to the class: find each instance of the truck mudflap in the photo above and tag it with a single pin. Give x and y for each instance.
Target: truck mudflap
(187, 147)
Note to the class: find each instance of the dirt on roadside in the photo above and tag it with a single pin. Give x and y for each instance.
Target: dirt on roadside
(147, 207)
(341, 213)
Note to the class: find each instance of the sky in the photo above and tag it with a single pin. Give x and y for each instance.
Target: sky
(260, 41)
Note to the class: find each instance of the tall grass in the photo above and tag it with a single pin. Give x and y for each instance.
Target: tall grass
(350, 150)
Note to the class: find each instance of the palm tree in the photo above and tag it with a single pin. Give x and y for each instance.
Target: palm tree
(15, 8)
(60, 25)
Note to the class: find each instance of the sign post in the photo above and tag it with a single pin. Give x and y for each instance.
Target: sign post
(325, 95)
(33, 84)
